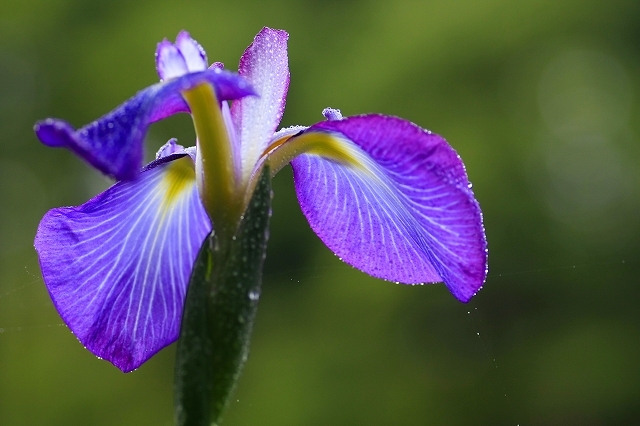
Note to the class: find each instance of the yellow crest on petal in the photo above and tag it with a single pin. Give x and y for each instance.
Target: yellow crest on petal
(178, 178)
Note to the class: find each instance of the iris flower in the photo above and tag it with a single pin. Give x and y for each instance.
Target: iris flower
(386, 196)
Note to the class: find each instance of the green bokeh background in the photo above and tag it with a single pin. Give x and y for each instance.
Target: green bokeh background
(540, 98)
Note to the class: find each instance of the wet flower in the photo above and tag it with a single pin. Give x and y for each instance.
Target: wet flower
(385, 195)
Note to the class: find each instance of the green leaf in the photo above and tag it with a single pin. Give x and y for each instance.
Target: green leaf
(220, 307)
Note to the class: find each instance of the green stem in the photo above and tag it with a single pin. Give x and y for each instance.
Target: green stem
(220, 308)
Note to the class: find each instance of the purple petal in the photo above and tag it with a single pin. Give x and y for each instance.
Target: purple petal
(332, 114)
(113, 143)
(117, 267)
(405, 214)
(266, 66)
(192, 52)
(169, 61)
(169, 148)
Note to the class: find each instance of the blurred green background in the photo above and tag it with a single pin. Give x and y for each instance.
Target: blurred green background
(540, 98)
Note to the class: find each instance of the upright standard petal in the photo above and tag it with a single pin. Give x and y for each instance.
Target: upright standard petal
(192, 52)
(113, 143)
(117, 267)
(400, 208)
(175, 60)
(169, 61)
(266, 66)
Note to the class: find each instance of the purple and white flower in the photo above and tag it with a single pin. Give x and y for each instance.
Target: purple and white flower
(385, 195)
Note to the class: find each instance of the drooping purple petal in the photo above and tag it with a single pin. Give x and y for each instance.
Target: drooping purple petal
(405, 213)
(266, 66)
(113, 143)
(193, 53)
(169, 61)
(117, 267)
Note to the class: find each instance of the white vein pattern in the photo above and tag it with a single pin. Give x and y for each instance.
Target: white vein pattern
(410, 217)
(117, 267)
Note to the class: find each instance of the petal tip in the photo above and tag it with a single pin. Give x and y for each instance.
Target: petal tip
(217, 66)
(282, 34)
(192, 52)
(332, 114)
(53, 132)
(171, 147)
(170, 63)
(183, 35)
